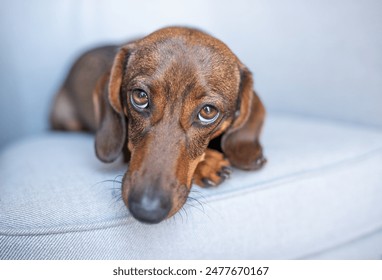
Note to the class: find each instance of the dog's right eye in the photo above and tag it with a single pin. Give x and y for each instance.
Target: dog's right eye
(139, 99)
(208, 114)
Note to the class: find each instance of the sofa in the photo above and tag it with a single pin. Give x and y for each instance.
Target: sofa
(317, 67)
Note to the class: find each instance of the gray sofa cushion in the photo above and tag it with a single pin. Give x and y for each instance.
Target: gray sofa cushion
(321, 188)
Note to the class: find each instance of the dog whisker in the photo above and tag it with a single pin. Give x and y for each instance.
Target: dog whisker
(199, 202)
(196, 201)
(201, 199)
(114, 190)
(185, 212)
(115, 200)
(201, 210)
(180, 214)
(197, 192)
(108, 181)
(194, 206)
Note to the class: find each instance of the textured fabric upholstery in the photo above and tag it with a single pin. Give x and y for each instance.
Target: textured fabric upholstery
(320, 190)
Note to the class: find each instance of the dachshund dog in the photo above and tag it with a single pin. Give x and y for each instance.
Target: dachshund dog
(180, 107)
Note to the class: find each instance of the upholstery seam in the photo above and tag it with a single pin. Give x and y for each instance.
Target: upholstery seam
(354, 238)
(293, 177)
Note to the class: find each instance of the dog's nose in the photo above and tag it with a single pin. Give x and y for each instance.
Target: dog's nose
(149, 206)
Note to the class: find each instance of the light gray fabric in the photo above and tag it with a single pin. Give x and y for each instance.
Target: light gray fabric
(321, 189)
(366, 247)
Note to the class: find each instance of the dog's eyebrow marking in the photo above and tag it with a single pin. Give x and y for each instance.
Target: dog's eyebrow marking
(187, 90)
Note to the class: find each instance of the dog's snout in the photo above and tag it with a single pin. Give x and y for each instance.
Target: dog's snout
(150, 206)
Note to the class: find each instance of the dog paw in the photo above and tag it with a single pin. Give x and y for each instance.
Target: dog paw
(213, 170)
(259, 162)
(247, 156)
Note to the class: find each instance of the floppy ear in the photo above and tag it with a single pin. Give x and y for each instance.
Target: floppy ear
(111, 125)
(116, 76)
(111, 133)
(240, 143)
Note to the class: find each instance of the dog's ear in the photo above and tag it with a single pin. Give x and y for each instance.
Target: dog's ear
(116, 77)
(240, 142)
(111, 125)
(112, 131)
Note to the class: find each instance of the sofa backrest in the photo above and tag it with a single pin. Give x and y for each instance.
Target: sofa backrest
(313, 58)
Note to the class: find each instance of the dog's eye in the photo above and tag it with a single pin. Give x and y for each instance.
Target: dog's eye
(139, 99)
(208, 114)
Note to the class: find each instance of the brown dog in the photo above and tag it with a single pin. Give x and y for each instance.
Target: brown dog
(178, 104)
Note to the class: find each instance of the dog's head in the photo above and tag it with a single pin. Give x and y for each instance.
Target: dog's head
(169, 95)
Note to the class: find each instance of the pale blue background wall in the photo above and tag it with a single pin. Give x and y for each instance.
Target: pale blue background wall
(314, 58)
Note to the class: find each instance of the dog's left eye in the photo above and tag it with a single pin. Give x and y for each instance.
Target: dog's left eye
(139, 99)
(208, 114)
